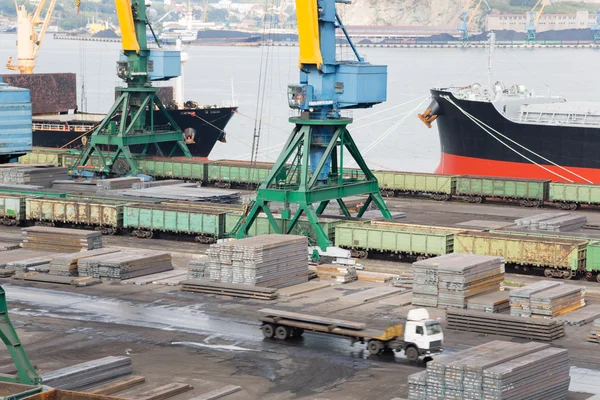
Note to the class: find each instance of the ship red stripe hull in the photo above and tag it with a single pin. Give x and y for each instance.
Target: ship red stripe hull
(460, 165)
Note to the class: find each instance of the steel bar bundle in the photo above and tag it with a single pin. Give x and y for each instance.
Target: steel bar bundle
(403, 280)
(497, 370)
(66, 264)
(496, 302)
(557, 301)
(507, 325)
(28, 175)
(335, 272)
(594, 336)
(267, 260)
(229, 289)
(88, 373)
(198, 269)
(60, 239)
(456, 277)
(520, 303)
(125, 264)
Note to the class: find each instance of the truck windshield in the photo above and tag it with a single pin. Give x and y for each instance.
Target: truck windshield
(434, 328)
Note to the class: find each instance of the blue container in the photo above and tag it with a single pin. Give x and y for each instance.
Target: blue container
(15, 122)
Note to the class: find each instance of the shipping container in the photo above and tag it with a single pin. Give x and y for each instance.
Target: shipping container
(106, 217)
(411, 182)
(565, 256)
(478, 188)
(206, 225)
(15, 122)
(12, 209)
(402, 239)
(571, 195)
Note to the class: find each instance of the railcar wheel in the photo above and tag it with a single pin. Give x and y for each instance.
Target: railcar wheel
(282, 332)
(568, 274)
(598, 278)
(268, 330)
(573, 206)
(548, 273)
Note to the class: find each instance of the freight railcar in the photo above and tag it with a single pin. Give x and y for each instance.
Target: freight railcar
(12, 209)
(439, 187)
(570, 196)
(476, 189)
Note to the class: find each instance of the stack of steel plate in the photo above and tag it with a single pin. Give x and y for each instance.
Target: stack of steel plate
(186, 191)
(66, 264)
(557, 301)
(75, 186)
(497, 370)
(268, 260)
(462, 276)
(14, 174)
(106, 185)
(198, 269)
(496, 302)
(40, 264)
(520, 303)
(594, 336)
(563, 223)
(125, 264)
(335, 272)
(59, 239)
(4, 246)
(507, 325)
(534, 221)
(166, 182)
(88, 373)
(425, 284)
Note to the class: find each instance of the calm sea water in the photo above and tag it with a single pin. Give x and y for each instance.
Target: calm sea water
(214, 75)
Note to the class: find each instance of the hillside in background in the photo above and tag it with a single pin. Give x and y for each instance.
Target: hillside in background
(445, 13)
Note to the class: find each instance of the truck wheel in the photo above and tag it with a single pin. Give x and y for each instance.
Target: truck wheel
(375, 347)
(268, 330)
(412, 354)
(282, 332)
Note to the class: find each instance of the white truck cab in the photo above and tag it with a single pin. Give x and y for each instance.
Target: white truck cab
(422, 333)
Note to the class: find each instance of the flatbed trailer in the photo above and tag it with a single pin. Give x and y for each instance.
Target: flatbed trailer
(283, 325)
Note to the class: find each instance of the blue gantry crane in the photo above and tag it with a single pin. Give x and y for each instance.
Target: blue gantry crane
(533, 17)
(596, 27)
(309, 173)
(466, 18)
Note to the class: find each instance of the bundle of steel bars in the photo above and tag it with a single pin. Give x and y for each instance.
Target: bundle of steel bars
(88, 373)
(14, 174)
(66, 264)
(496, 302)
(335, 272)
(497, 370)
(594, 335)
(520, 299)
(125, 264)
(557, 301)
(60, 239)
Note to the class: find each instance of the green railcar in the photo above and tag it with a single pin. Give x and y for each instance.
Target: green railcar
(559, 256)
(34, 193)
(175, 169)
(530, 192)
(413, 182)
(397, 238)
(106, 216)
(206, 225)
(571, 195)
(593, 259)
(227, 173)
(46, 156)
(12, 209)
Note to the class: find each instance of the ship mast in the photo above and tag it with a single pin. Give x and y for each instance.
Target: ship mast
(492, 46)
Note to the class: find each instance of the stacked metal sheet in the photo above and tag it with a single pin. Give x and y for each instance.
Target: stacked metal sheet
(198, 269)
(125, 264)
(75, 186)
(66, 264)
(15, 174)
(459, 277)
(106, 185)
(59, 239)
(185, 191)
(269, 260)
(5, 246)
(557, 301)
(520, 303)
(506, 325)
(495, 371)
(496, 302)
(563, 223)
(88, 373)
(534, 221)
(41, 264)
(594, 336)
(335, 272)
(166, 182)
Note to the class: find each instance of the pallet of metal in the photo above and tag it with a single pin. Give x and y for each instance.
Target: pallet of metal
(125, 264)
(14, 174)
(520, 302)
(270, 261)
(594, 335)
(506, 325)
(496, 302)
(66, 264)
(496, 370)
(88, 373)
(229, 289)
(60, 239)
(557, 301)
(335, 272)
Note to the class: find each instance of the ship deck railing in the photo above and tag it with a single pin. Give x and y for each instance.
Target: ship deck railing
(552, 118)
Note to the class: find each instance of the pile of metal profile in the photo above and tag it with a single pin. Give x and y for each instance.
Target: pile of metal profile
(580, 317)
(496, 302)
(459, 277)
(166, 182)
(557, 301)
(125, 264)
(563, 223)
(404, 280)
(184, 191)
(594, 335)
(506, 325)
(229, 289)
(335, 272)
(66, 264)
(41, 264)
(60, 239)
(533, 221)
(198, 269)
(82, 186)
(268, 260)
(4, 246)
(106, 185)
(43, 175)
(520, 299)
(88, 373)
(18, 255)
(497, 370)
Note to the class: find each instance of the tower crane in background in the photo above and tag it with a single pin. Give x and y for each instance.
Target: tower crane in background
(466, 18)
(28, 40)
(533, 18)
(309, 172)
